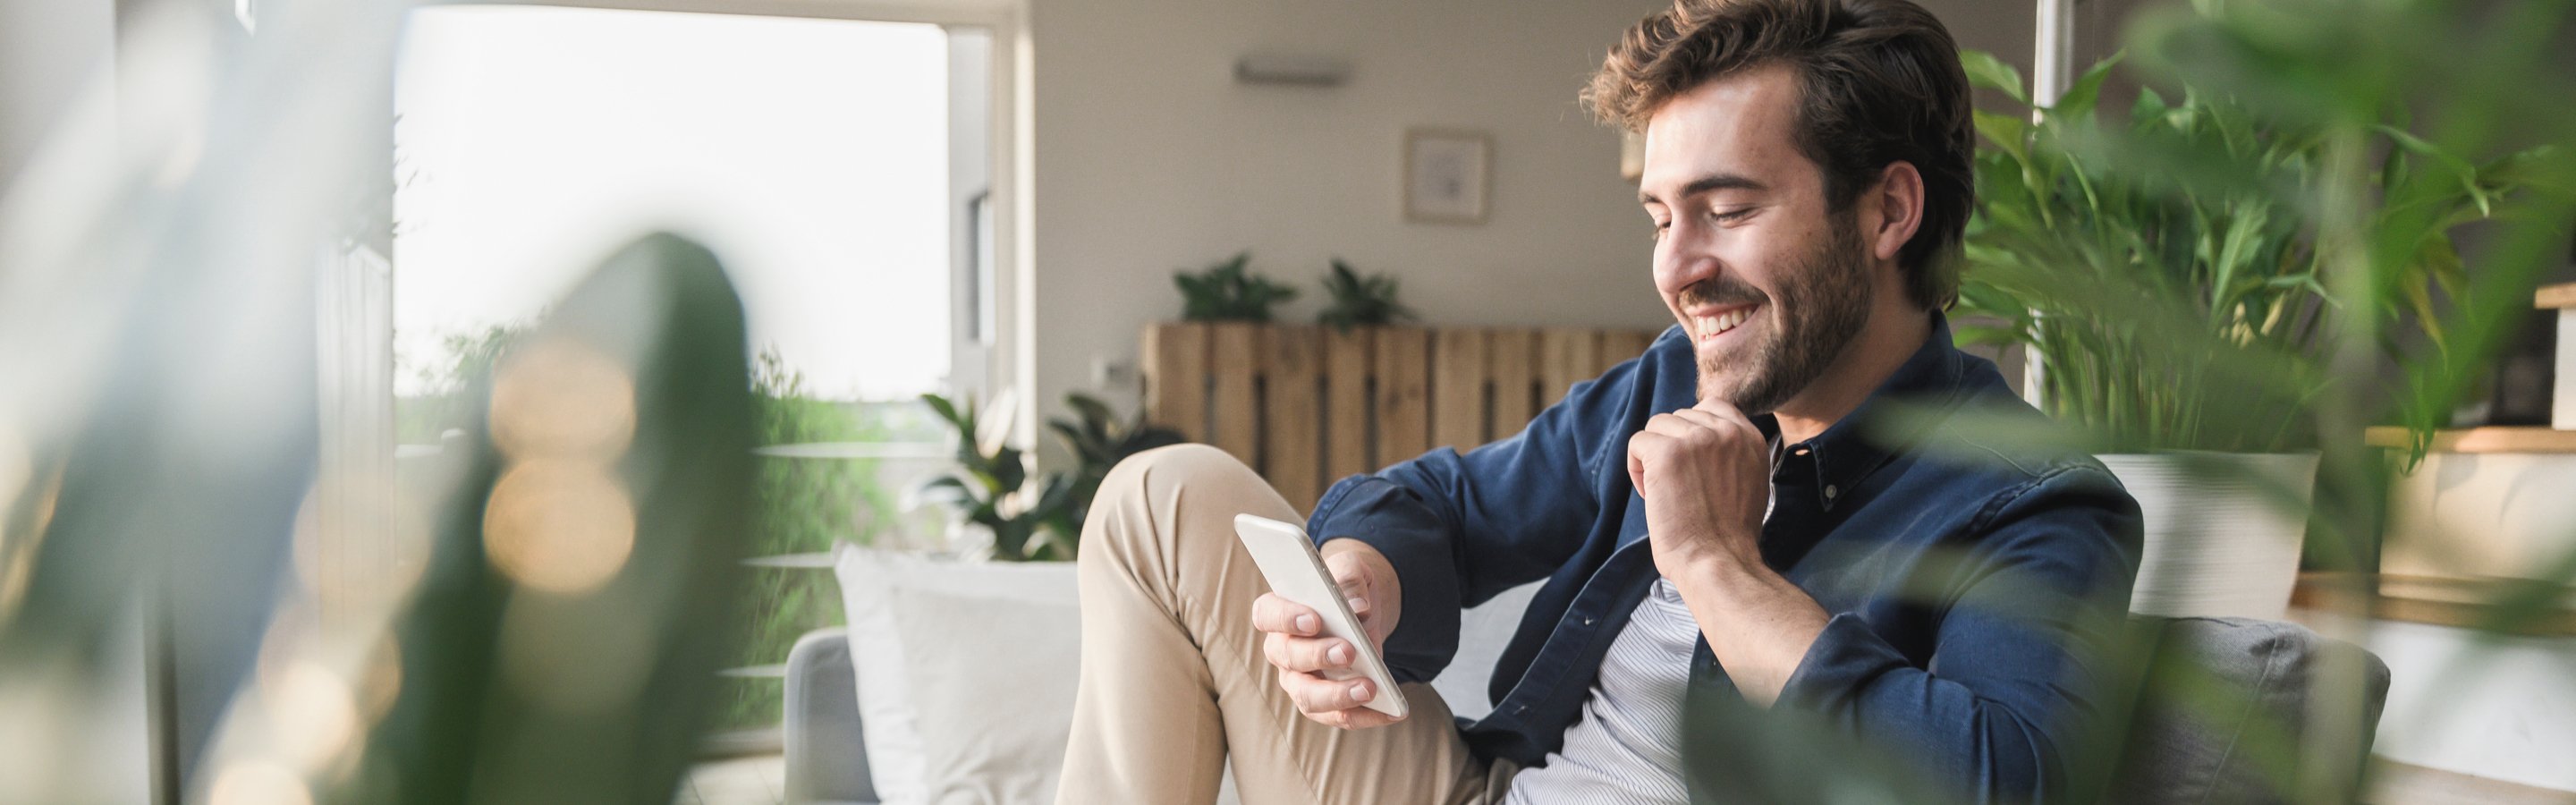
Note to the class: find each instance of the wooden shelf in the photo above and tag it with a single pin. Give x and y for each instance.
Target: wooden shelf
(2457, 603)
(2555, 296)
(2533, 439)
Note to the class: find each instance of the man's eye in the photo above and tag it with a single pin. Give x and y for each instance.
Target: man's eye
(1733, 215)
(1660, 226)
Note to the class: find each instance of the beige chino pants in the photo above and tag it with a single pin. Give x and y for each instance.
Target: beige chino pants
(1173, 679)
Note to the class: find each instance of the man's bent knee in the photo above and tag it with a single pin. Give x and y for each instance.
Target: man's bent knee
(1164, 467)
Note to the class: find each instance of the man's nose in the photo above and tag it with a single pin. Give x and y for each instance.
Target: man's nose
(1683, 262)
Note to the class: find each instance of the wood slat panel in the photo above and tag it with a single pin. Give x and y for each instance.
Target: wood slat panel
(1458, 388)
(1511, 354)
(2555, 296)
(1233, 351)
(1617, 346)
(1565, 356)
(2492, 439)
(1176, 378)
(1346, 403)
(1292, 444)
(1403, 394)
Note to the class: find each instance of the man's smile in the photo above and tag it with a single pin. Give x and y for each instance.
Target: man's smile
(1710, 324)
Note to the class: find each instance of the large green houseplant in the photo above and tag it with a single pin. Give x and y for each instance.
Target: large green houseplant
(2174, 294)
(2164, 269)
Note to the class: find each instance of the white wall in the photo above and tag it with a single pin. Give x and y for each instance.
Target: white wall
(49, 50)
(2468, 703)
(1150, 159)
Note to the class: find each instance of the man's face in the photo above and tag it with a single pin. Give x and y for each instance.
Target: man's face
(1770, 285)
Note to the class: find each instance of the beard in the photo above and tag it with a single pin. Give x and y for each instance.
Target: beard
(1822, 303)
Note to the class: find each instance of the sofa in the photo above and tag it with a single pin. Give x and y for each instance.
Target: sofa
(2176, 751)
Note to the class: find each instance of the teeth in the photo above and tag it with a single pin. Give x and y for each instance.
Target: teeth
(1713, 325)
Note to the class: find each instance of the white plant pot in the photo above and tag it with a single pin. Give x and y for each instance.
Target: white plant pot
(2217, 543)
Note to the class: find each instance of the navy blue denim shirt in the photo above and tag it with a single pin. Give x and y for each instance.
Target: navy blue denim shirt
(1974, 589)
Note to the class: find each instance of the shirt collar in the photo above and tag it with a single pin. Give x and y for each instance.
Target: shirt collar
(1853, 447)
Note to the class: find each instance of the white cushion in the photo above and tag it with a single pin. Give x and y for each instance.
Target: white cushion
(965, 672)
(993, 683)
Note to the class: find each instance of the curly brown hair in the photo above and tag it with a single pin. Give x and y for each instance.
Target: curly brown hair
(1880, 83)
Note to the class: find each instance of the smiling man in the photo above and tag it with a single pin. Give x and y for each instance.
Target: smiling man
(1734, 517)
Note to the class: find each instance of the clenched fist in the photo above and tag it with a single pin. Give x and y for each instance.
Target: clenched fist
(1705, 472)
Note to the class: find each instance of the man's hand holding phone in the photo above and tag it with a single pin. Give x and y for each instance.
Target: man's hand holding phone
(1293, 637)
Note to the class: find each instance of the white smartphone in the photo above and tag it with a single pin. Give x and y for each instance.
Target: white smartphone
(1296, 572)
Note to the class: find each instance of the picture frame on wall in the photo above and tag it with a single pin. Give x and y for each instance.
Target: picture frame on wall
(1447, 175)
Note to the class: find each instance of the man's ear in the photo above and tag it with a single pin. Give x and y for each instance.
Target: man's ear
(1892, 209)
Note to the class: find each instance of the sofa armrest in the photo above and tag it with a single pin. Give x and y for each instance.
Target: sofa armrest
(826, 760)
(2224, 713)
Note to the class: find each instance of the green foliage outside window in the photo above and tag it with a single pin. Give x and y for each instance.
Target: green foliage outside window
(804, 504)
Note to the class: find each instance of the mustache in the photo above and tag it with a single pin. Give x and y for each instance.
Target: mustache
(1722, 290)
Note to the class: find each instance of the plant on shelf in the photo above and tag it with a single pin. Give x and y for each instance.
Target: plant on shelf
(1034, 517)
(1361, 301)
(1228, 291)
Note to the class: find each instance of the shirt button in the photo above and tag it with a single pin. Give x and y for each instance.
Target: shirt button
(1587, 621)
(1521, 710)
(1829, 491)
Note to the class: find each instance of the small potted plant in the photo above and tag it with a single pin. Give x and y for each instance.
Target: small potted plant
(1360, 301)
(1229, 291)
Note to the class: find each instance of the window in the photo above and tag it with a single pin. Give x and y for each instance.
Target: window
(841, 168)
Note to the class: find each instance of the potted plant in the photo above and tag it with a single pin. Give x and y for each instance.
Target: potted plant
(1360, 301)
(1022, 516)
(2162, 271)
(1229, 291)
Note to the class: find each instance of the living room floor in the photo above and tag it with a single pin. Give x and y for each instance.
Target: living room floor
(757, 780)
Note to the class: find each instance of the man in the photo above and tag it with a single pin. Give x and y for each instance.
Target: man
(1736, 513)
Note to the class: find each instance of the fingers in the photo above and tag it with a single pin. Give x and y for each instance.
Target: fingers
(1271, 613)
(1357, 718)
(1723, 411)
(1306, 653)
(1291, 641)
(1701, 426)
(1719, 423)
(1316, 696)
(1688, 430)
(1636, 462)
(1671, 425)
(1352, 579)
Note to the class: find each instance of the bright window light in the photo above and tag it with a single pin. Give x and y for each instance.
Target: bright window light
(812, 155)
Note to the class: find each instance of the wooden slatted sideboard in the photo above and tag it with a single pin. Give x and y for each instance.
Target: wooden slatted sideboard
(1305, 405)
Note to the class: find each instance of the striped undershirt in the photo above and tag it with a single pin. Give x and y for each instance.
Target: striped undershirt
(1626, 749)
